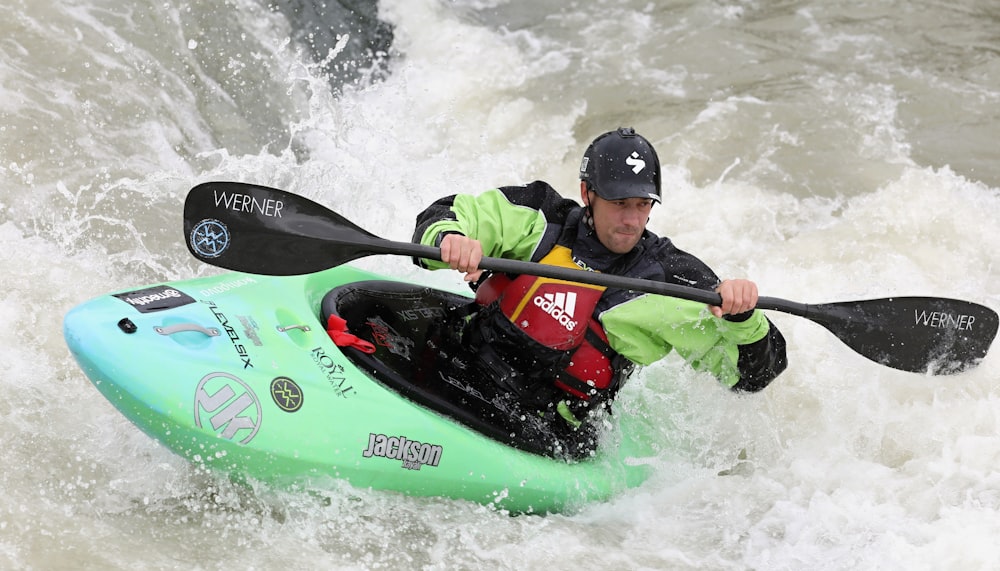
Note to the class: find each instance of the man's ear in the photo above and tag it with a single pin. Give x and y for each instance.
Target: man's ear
(583, 193)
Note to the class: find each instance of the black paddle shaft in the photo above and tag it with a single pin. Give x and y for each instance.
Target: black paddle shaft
(261, 230)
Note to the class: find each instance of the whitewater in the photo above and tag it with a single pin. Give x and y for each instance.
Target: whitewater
(830, 150)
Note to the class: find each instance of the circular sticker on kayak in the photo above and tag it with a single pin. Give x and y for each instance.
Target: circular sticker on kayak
(286, 394)
(209, 238)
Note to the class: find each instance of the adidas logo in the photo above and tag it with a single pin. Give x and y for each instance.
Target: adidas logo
(561, 306)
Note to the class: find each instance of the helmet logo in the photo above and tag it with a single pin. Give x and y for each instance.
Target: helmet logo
(635, 162)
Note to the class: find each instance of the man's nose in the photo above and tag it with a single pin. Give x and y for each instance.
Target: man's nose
(634, 217)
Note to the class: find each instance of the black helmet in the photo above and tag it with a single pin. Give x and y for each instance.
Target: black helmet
(621, 164)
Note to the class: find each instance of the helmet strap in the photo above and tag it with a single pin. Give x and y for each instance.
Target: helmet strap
(588, 209)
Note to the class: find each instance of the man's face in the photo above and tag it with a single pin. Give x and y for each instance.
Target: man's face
(619, 223)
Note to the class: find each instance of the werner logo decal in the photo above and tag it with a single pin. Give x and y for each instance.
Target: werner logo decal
(229, 406)
(241, 202)
(561, 306)
(942, 320)
(157, 298)
(209, 238)
(286, 394)
(413, 454)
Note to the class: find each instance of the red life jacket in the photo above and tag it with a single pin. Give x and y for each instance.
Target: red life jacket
(559, 315)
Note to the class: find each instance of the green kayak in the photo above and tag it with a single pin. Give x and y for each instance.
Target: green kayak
(239, 372)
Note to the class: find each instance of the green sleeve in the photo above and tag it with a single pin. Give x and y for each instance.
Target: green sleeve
(645, 329)
(506, 230)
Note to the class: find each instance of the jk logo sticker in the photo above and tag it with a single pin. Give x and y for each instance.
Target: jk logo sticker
(209, 238)
(227, 406)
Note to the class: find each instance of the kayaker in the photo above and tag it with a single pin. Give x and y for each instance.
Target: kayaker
(566, 348)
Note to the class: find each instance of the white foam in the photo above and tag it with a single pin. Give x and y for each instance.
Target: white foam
(785, 160)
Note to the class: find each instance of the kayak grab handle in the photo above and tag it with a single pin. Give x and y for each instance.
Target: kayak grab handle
(184, 327)
(283, 328)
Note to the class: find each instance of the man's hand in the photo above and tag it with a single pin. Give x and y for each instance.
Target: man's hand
(738, 296)
(463, 254)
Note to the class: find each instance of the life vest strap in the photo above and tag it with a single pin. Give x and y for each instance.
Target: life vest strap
(597, 342)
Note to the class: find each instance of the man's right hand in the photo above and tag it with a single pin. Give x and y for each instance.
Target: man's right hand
(463, 254)
(738, 296)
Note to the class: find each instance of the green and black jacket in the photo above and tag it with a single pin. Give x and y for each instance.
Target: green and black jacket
(745, 352)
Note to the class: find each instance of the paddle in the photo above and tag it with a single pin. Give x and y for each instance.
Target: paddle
(262, 230)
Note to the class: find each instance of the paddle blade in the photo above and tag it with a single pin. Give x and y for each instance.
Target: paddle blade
(917, 334)
(263, 230)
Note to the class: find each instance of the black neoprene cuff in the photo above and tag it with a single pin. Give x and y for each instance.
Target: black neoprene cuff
(440, 238)
(739, 317)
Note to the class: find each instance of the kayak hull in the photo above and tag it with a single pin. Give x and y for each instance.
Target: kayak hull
(236, 372)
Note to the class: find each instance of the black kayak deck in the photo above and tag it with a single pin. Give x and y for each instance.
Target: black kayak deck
(418, 355)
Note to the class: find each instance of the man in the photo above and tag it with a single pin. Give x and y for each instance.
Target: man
(567, 346)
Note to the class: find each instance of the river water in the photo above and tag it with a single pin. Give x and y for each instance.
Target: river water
(829, 149)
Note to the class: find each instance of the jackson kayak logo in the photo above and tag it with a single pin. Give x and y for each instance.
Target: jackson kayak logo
(286, 394)
(155, 298)
(561, 306)
(229, 406)
(209, 238)
(413, 454)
